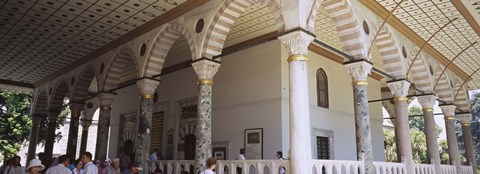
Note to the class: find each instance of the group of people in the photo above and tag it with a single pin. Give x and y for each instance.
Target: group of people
(64, 165)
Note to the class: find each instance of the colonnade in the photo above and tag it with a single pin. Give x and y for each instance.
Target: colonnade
(296, 43)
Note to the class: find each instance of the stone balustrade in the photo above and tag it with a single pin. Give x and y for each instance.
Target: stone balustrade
(319, 167)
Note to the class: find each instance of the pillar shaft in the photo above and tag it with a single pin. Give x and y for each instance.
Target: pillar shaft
(73, 129)
(359, 72)
(399, 90)
(101, 147)
(50, 140)
(205, 70)
(427, 103)
(32, 146)
(453, 152)
(300, 140)
(83, 143)
(469, 150)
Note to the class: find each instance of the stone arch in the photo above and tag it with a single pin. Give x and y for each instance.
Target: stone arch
(461, 100)
(224, 19)
(58, 94)
(391, 55)
(420, 73)
(80, 90)
(352, 38)
(40, 102)
(443, 89)
(161, 47)
(123, 62)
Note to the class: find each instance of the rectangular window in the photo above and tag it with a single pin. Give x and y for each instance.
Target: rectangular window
(323, 147)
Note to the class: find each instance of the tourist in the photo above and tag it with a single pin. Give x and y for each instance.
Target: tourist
(153, 155)
(35, 166)
(113, 168)
(61, 167)
(89, 167)
(14, 167)
(281, 169)
(78, 167)
(211, 164)
(240, 156)
(125, 161)
(133, 169)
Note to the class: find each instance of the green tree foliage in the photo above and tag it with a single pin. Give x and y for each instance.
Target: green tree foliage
(15, 123)
(443, 151)
(390, 147)
(475, 129)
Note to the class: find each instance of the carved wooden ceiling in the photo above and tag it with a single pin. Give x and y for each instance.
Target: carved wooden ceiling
(39, 37)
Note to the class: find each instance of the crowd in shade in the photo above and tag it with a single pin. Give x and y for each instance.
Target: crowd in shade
(67, 165)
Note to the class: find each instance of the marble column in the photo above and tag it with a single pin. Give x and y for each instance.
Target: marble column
(427, 102)
(147, 89)
(75, 110)
(399, 91)
(32, 145)
(205, 69)
(466, 121)
(453, 152)
(359, 72)
(52, 126)
(83, 142)
(106, 100)
(296, 43)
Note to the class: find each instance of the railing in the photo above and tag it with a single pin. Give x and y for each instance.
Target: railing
(448, 169)
(338, 167)
(424, 169)
(170, 166)
(252, 166)
(389, 168)
(466, 170)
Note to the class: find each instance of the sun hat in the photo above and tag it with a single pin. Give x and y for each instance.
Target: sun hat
(34, 163)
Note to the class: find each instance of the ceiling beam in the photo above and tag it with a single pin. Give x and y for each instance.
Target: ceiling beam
(378, 9)
(466, 14)
(137, 32)
(15, 83)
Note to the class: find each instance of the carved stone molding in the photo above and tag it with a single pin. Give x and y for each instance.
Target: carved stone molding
(359, 71)
(206, 69)
(296, 42)
(448, 111)
(147, 87)
(106, 99)
(465, 119)
(427, 101)
(399, 88)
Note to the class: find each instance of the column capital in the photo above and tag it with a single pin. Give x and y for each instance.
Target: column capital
(448, 111)
(427, 101)
(76, 106)
(147, 87)
(399, 89)
(359, 71)
(206, 69)
(106, 99)
(296, 42)
(465, 119)
(85, 123)
(53, 114)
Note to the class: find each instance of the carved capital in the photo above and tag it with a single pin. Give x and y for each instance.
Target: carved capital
(53, 114)
(465, 119)
(296, 42)
(399, 89)
(448, 111)
(147, 87)
(76, 107)
(205, 70)
(85, 124)
(427, 101)
(359, 71)
(106, 99)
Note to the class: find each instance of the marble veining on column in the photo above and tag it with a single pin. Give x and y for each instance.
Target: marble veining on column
(427, 103)
(362, 125)
(144, 134)
(33, 137)
(75, 109)
(204, 127)
(102, 137)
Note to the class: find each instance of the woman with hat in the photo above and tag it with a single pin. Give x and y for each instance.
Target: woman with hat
(35, 166)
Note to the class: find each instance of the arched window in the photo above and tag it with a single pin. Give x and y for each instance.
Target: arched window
(322, 88)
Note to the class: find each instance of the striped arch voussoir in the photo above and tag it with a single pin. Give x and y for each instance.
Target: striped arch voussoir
(162, 45)
(461, 100)
(443, 90)
(123, 60)
(420, 73)
(40, 102)
(59, 92)
(80, 90)
(225, 18)
(351, 35)
(390, 54)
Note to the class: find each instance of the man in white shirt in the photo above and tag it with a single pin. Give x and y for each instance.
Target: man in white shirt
(240, 156)
(61, 167)
(89, 167)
